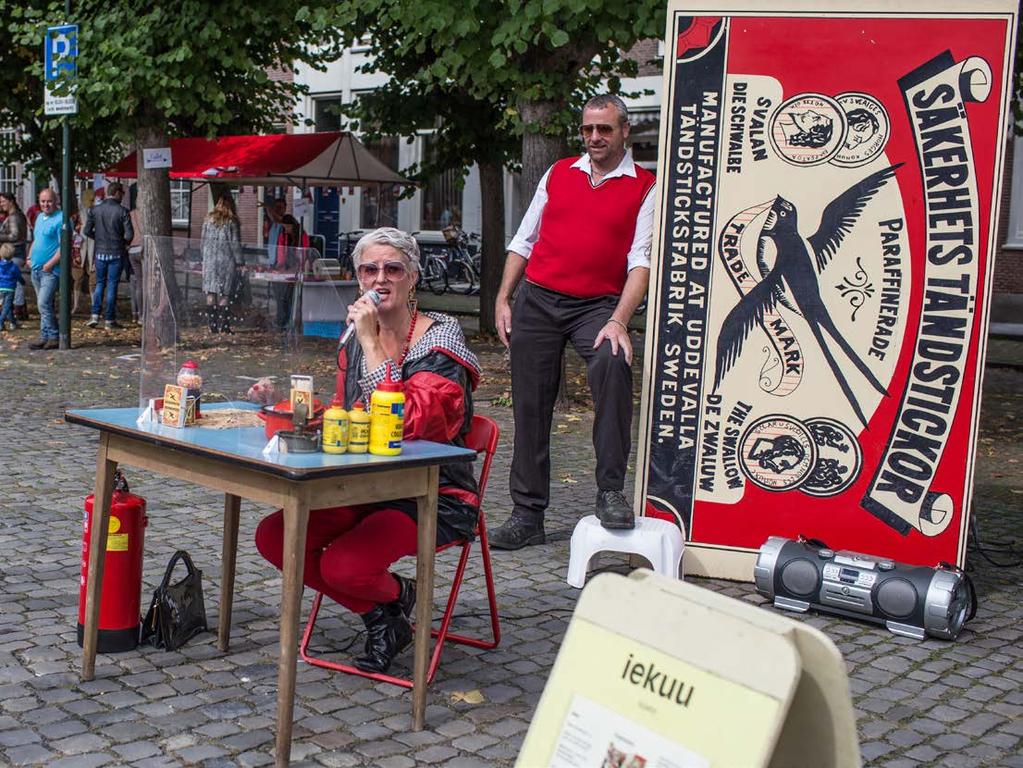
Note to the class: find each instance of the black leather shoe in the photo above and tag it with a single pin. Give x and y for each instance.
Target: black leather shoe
(614, 511)
(388, 633)
(41, 344)
(405, 603)
(516, 533)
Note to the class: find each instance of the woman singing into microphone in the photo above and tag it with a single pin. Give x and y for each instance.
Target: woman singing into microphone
(350, 549)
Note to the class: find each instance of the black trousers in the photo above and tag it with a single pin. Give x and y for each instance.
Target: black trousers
(542, 322)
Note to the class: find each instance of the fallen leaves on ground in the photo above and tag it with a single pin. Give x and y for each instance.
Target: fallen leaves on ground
(469, 697)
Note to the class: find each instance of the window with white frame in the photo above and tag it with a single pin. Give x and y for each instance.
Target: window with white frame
(378, 205)
(1014, 235)
(8, 178)
(644, 136)
(8, 173)
(442, 195)
(181, 202)
(327, 113)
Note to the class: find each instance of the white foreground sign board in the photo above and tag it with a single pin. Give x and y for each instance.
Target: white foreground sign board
(657, 673)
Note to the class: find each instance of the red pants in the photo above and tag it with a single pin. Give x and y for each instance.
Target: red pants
(347, 552)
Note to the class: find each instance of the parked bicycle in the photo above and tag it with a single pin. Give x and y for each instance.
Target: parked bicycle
(433, 266)
(462, 272)
(345, 245)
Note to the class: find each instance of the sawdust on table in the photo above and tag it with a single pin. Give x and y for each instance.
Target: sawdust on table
(229, 418)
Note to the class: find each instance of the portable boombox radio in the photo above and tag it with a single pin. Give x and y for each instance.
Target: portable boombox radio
(909, 600)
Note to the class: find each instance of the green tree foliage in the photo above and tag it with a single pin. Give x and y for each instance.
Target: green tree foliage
(37, 139)
(468, 130)
(497, 79)
(536, 55)
(152, 70)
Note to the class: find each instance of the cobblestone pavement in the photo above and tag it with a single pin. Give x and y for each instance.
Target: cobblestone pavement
(917, 703)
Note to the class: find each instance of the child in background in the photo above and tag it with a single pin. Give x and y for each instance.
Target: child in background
(10, 277)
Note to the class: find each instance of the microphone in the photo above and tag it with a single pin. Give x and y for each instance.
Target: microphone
(350, 328)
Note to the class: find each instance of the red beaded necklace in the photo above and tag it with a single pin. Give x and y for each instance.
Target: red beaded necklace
(408, 339)
(342, 355)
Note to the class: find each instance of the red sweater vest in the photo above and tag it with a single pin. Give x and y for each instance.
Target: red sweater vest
(586, 232)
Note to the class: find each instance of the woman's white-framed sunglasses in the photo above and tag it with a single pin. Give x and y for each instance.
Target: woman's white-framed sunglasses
(393, 270)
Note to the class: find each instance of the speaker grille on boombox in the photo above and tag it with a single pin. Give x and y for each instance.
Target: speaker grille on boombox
(896, 597)
(799, 576)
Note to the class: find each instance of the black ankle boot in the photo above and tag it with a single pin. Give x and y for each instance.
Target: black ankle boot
(225, 320)
(387, 634)
(212, 312)
(406, 600)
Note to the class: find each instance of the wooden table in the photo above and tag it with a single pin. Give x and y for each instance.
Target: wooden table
(231, 461)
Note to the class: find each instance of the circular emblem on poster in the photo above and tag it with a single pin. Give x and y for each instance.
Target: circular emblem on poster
(839, 458)
(701, 34)
(867, 129)
(777, 453)
(936, 513)
(808, 129)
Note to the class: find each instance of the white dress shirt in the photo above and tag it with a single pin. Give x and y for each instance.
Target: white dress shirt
(529, 229)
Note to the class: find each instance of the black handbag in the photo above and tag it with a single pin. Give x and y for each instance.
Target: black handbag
(177, 612)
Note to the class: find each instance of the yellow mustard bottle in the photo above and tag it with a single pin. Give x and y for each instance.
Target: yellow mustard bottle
(358, 428)
(387, 417)
(335, 427)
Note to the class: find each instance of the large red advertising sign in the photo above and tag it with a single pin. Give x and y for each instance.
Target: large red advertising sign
(828, 198)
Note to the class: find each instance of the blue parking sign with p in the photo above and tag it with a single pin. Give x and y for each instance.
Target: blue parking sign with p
(61, 51)
(60, 59)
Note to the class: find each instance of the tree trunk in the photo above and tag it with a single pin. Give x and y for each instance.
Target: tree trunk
(542, 145)
(492, 256)
(154, 185)
(153, 203)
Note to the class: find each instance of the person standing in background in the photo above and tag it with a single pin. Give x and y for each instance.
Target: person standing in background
(135, 259)
(45, 260)
(281, 231)
(584, 249)
(221, 258)
(31, 215)
(14, 230)
(109, 224)
(10, 277)
(83, 273)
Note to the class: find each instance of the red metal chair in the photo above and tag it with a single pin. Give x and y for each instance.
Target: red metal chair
(482, 438)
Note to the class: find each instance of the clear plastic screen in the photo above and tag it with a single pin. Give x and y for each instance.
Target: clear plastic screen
(261, 322)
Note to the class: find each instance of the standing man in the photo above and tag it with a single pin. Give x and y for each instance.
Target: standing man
(45, 260)
(584, 248)
(109, 224)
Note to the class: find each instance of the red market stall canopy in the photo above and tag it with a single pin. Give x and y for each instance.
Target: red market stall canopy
(301, 159)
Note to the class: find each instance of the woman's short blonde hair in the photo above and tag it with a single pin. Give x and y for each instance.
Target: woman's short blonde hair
(402, 242)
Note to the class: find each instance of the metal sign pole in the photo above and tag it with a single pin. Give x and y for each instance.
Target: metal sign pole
(65, 240)
(69, 232)
(60, 55)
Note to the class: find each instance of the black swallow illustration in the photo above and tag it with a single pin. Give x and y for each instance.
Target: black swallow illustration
(796, 274)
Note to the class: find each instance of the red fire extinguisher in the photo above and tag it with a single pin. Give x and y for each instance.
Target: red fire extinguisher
(122, 572)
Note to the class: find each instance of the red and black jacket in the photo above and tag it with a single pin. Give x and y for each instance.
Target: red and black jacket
(439, 374)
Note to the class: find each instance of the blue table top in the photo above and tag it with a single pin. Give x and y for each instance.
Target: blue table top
(244, 445)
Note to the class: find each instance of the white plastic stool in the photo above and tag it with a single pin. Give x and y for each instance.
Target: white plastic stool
(658, 541)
